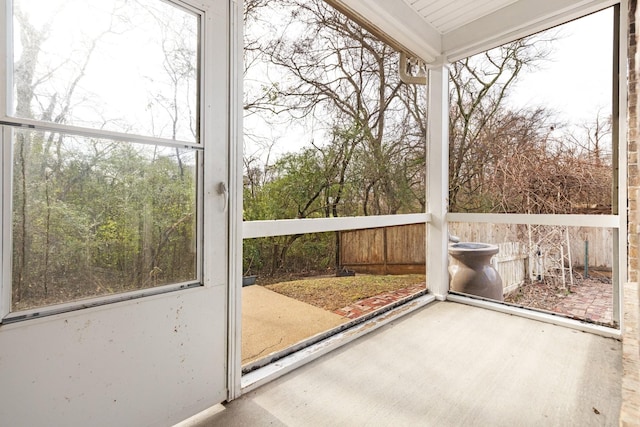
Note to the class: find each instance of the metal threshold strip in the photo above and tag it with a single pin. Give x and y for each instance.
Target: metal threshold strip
(274, 357)
(535, 314)
(280, 363)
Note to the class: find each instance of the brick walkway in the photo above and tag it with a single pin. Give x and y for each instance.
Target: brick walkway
(591, 300)
(362, 307)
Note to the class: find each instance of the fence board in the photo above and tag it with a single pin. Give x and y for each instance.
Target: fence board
(511, 263)
(406, 244)
(359, 247)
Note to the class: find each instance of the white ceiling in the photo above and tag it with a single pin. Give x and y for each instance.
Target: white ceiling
(447, 30)
(447, 15)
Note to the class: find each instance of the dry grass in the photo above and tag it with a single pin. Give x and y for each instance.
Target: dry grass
(332, 293)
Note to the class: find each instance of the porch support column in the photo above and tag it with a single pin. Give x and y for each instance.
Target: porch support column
(437, 165)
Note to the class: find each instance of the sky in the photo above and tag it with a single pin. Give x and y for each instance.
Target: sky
(576, 81)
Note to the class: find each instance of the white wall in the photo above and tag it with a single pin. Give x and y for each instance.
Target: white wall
(150, 361)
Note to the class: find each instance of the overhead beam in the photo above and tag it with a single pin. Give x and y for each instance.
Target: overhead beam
(395, 23)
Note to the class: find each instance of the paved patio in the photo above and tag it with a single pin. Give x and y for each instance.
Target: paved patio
(272, 322)
(591, 300)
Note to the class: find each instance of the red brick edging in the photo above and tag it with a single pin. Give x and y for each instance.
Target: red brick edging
(367, 305)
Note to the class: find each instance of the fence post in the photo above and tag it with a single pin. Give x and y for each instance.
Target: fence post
(385, 249)
(586, 259)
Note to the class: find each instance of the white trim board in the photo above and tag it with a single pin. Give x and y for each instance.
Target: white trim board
(284, 227)
(606, 221)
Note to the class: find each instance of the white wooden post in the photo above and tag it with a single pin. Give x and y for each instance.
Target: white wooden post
(438, 180)
(234, 338)
(620, 112)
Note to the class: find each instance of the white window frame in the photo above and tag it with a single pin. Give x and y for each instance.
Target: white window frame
(208, 84)
(617, 222)
(437, 216)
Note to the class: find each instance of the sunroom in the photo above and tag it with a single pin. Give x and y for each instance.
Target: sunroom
(123, 219)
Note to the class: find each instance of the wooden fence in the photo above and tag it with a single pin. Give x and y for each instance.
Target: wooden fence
(388, 250)
(402, 249)
(511, 263)
(600, 240)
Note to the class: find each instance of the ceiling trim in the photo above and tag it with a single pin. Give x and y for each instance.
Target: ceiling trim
(512, 22)
(395, 23)
(401, 26)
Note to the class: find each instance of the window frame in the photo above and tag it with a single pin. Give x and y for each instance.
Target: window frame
(8, 123)
(617, 220)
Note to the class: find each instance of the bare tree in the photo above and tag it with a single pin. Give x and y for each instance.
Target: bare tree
(332, 69)
(479, 88)
(29, 76)
(532, 166)
(56, 174)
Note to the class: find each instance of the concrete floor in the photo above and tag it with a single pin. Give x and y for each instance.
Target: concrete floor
(447, 364)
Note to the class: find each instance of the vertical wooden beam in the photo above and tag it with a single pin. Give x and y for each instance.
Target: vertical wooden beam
(437, 180)
(620, 138)
(234, 284)
(615, 157)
